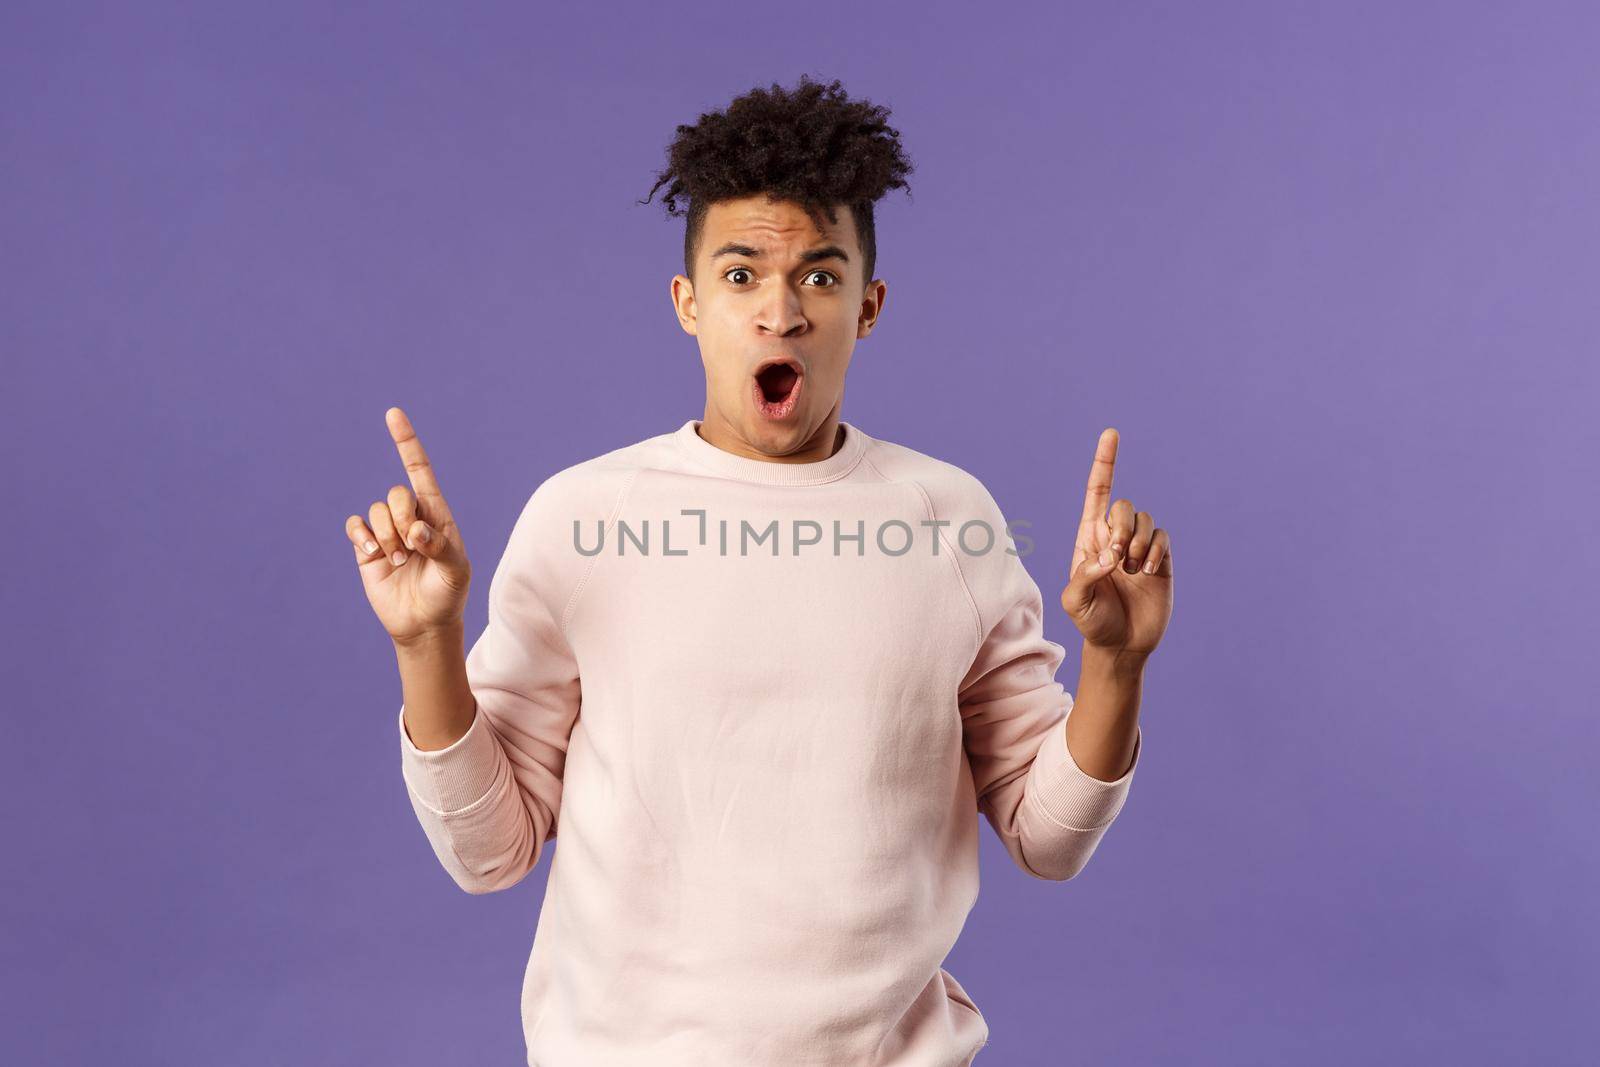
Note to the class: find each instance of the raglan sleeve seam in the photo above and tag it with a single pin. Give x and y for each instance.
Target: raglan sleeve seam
(582, 584)
(955, 562)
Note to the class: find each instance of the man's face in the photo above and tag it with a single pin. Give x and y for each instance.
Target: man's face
(771, 286)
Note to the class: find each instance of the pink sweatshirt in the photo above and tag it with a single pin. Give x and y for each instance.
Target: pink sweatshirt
(764, 714)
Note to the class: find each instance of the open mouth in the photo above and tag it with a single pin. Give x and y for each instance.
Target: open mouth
(777, 388)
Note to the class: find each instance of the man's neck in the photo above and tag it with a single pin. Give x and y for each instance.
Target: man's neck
(821, 445)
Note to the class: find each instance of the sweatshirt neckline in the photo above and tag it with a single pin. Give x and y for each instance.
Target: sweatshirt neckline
(767, 472)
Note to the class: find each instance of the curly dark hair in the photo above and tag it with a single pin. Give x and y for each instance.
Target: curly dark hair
(812, 145)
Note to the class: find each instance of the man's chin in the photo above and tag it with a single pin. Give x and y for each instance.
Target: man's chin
(776, 439)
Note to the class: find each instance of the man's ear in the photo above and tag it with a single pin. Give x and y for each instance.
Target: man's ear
(683, 303)
(871, 307)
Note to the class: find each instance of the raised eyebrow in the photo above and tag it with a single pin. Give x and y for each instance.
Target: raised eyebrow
(810, 255)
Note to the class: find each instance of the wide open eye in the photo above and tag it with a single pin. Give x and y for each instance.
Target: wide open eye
(833, 280)
(737, 270)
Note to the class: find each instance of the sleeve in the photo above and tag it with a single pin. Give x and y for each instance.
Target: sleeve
(490, 801)
(1048, 812)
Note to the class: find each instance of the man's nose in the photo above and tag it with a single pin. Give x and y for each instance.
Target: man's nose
(781, 313)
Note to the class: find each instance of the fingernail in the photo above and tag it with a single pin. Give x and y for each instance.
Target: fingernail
(1149, 566)
(399, 557)
(424, 536)
(372, 546)
(1105, 557)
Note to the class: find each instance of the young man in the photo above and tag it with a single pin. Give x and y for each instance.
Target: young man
(762, 670)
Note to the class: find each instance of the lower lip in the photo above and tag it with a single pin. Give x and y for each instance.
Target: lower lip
(783, 408)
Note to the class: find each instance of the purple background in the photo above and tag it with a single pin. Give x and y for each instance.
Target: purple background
(1331, 271)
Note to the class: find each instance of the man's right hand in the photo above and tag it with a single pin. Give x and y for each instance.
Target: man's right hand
(412, 562)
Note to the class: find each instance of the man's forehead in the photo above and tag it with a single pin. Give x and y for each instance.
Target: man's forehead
(755, 221)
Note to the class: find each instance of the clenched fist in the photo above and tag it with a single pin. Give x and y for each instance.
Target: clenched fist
(412, 562)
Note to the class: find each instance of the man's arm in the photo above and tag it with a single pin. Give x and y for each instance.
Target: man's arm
(1105, 718)
(1048, 811)
(483, 747)
(439, 705)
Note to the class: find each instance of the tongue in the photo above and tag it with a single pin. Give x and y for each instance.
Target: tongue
(777, 381)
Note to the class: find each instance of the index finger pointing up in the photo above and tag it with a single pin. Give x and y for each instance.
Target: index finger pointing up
(418, 469)
(1098, 497)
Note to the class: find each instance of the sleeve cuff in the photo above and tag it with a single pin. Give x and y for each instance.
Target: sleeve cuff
(453, 779)
(1070, 796)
